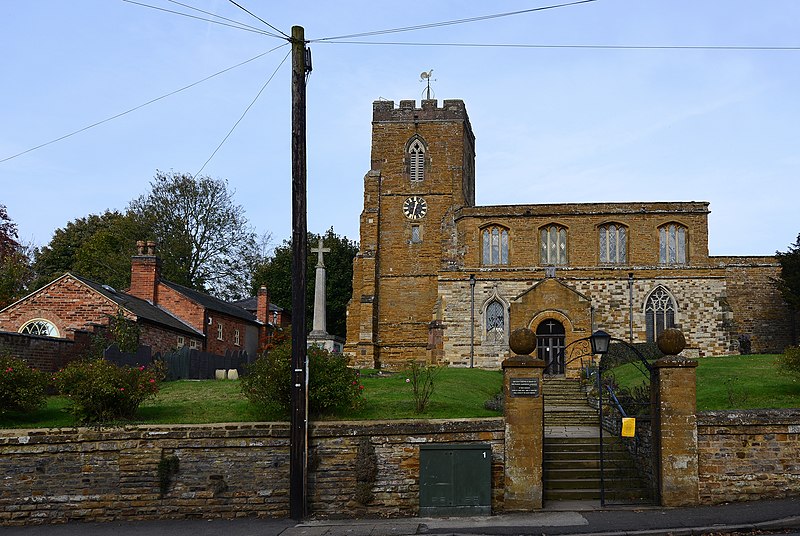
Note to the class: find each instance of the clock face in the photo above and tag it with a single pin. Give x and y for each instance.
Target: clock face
(415, 207)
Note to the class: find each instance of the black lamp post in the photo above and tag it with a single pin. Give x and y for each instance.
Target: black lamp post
(600, 341)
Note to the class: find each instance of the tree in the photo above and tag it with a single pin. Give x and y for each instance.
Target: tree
(276, 274)
(204, 238)
(789, 282)
(98, 247)
(15, 265)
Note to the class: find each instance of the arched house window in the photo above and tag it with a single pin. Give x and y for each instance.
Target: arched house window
(39, 326)
(494, 245)
(613, 243)
(659, 312)
(672, 239)
(553, 245)
(416, 159)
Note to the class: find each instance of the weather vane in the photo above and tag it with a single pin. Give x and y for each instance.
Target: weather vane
(425, 76)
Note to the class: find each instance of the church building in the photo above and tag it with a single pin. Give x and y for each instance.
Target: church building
(442, 280)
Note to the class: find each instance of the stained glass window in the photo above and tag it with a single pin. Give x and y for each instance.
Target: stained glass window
(554, 245)
(39, 327)
(659, 313)
(495, 245)
(613, 244)
(672, 244)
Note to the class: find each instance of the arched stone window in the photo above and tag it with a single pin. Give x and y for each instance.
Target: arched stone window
(613, 243)
(659, 311)
(553, 240)
(39, 326)
(416, 159)
(672, 244)
(495, 318)
(495, 245)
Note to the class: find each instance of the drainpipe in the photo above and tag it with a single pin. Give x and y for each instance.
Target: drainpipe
(472, 320)
(630, 307)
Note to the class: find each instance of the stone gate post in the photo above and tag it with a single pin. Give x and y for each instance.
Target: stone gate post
(675, 431)
(524, 416)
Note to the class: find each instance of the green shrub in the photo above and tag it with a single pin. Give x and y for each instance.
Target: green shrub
(21, 387)
(332, 386)
(100, 391)
(789, 361)
(422, 379)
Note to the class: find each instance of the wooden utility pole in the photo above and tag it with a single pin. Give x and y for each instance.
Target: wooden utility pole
(298, 441)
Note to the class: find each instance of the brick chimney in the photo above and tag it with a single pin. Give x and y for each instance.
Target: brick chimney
(145, 272)
(262, 305)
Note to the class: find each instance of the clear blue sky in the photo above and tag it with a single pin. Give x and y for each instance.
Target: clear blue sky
(552, 124)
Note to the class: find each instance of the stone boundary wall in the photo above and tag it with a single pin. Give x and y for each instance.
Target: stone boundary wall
(224, 470)
(748, 455)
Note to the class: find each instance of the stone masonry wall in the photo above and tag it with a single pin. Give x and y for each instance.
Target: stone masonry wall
(224, 470)
(748, 455)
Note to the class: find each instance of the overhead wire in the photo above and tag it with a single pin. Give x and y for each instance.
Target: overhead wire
(452, 22)
(238, 25)
(106, 120)
(242, 24)
(588, 46)
(243, 113)
(258, 18)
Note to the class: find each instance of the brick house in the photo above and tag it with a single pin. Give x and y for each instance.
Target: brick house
(169, 315)
(441, 279)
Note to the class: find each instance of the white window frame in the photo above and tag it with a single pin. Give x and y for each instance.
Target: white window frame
(40, 327)
(236, 337)
(219, 331)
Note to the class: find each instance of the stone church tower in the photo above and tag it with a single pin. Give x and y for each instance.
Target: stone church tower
(422, 171)
(441, 280)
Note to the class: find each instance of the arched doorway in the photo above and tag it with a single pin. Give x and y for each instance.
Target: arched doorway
(550, 337)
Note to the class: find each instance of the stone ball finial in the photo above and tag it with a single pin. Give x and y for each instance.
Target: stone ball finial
(522, 341)
(671, 341)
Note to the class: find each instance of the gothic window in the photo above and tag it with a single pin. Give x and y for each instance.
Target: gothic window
(495, 245)
(495, 317)
(659, 313)
(672, 244)
(39, 327)
(416, 160)
(613, 244)
(554, 245)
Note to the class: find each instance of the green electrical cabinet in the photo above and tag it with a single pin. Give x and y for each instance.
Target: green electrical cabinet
(455, 479)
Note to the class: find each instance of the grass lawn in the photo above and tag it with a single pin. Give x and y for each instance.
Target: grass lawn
(734, 382)
(458, 393)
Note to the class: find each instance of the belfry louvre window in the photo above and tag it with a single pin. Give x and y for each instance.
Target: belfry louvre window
(613, 244)
(554, 245)
(659, 313)
(672, 244)
(416, 161)
(495, 245)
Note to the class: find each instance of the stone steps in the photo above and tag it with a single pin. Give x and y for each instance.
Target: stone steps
(572, 471)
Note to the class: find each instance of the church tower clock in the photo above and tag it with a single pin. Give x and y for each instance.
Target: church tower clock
(422, 170)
